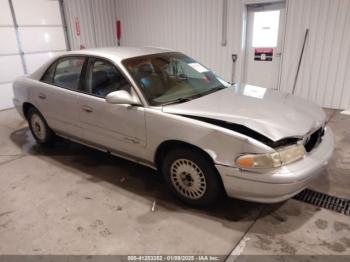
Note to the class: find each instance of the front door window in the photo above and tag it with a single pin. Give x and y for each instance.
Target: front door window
(104, 78)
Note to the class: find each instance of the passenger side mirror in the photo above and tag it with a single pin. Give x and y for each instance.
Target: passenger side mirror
(122, 97)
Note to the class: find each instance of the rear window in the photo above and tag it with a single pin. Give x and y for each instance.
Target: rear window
(65, 73)
(48, 76)
(68, 72)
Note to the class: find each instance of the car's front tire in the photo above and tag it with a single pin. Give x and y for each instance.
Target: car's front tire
(192, 177)
(40, 130)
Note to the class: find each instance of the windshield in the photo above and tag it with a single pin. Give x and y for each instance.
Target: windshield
(167, 78)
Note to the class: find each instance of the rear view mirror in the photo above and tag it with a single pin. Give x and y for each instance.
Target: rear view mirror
(122, 97)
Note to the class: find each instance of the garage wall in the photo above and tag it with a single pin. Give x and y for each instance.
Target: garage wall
(167, 23)
(325, 71)
(91, 23)
(10, 60)
(40, 31)
(195, 27)
(31, 33)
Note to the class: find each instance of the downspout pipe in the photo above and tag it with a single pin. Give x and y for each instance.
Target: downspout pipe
(224, 23)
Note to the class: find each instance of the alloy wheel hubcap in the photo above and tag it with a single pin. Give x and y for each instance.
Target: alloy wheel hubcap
(188, 179)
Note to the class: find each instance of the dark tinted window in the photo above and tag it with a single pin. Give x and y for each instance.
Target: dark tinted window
(48, 76)
(68, 72)
(104, 78)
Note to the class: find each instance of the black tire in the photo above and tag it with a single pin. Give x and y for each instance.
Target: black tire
(172, 170)
(41, 132)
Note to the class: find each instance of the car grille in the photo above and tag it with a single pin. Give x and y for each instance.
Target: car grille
(314, 139)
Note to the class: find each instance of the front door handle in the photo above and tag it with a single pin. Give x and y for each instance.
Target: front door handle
(42, 96)
(87, 109)
(132, 140)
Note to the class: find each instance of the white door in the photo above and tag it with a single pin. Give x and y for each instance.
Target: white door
(10, 59)
(118, 128)
(264, 41)
(31, 32)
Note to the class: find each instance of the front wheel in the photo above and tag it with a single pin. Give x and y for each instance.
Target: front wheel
(192, 177)
(39, 128)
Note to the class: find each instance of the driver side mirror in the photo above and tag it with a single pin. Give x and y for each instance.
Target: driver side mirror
(122, 97)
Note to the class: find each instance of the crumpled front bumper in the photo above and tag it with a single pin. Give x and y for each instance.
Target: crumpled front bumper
(279, 184)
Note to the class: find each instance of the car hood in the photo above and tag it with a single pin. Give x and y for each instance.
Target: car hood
(273, 114)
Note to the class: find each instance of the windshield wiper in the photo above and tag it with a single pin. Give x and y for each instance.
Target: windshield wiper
(186, 99)
(177, 101)
(214, 89)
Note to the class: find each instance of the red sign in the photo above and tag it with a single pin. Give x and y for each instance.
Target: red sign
(118, 29)
(77, 26)
(263, 54)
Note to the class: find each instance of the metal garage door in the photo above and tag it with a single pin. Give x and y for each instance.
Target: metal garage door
(31, 33)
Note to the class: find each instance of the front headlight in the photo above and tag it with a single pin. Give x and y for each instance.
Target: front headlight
(279, 158)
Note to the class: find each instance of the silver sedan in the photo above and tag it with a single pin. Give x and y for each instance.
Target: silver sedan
(165, 110)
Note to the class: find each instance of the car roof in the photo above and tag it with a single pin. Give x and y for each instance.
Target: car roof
(116, 54)
(120, 53)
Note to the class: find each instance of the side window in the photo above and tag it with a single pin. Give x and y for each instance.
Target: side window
(104, 78)
(48, 76)
(68, 72)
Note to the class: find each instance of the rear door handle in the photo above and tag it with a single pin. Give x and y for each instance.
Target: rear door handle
(132, 140)
(87, 109)
(42, 96)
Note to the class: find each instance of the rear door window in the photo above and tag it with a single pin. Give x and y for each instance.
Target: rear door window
(48, 76)
(68, 72)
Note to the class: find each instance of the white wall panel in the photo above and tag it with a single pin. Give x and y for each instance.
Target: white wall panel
(38, 31)
(10, 65)
(104, 20)
(79, 11)
(6, 96)
(34, 61)
(5, 13)
(41, 39)
(8, 44)
(96, 20)
(37, 12)
(193, 27)
(324, 73)
(10, 68)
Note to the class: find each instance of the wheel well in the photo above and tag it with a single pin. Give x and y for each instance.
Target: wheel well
(26, 107)
(169, 145)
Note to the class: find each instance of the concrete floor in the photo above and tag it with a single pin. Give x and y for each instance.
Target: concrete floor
(71, 199)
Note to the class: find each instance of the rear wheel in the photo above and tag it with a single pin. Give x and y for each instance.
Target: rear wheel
(192, 177)
(39, 128)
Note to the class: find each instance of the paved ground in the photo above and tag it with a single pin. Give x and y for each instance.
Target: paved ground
(74, 200)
